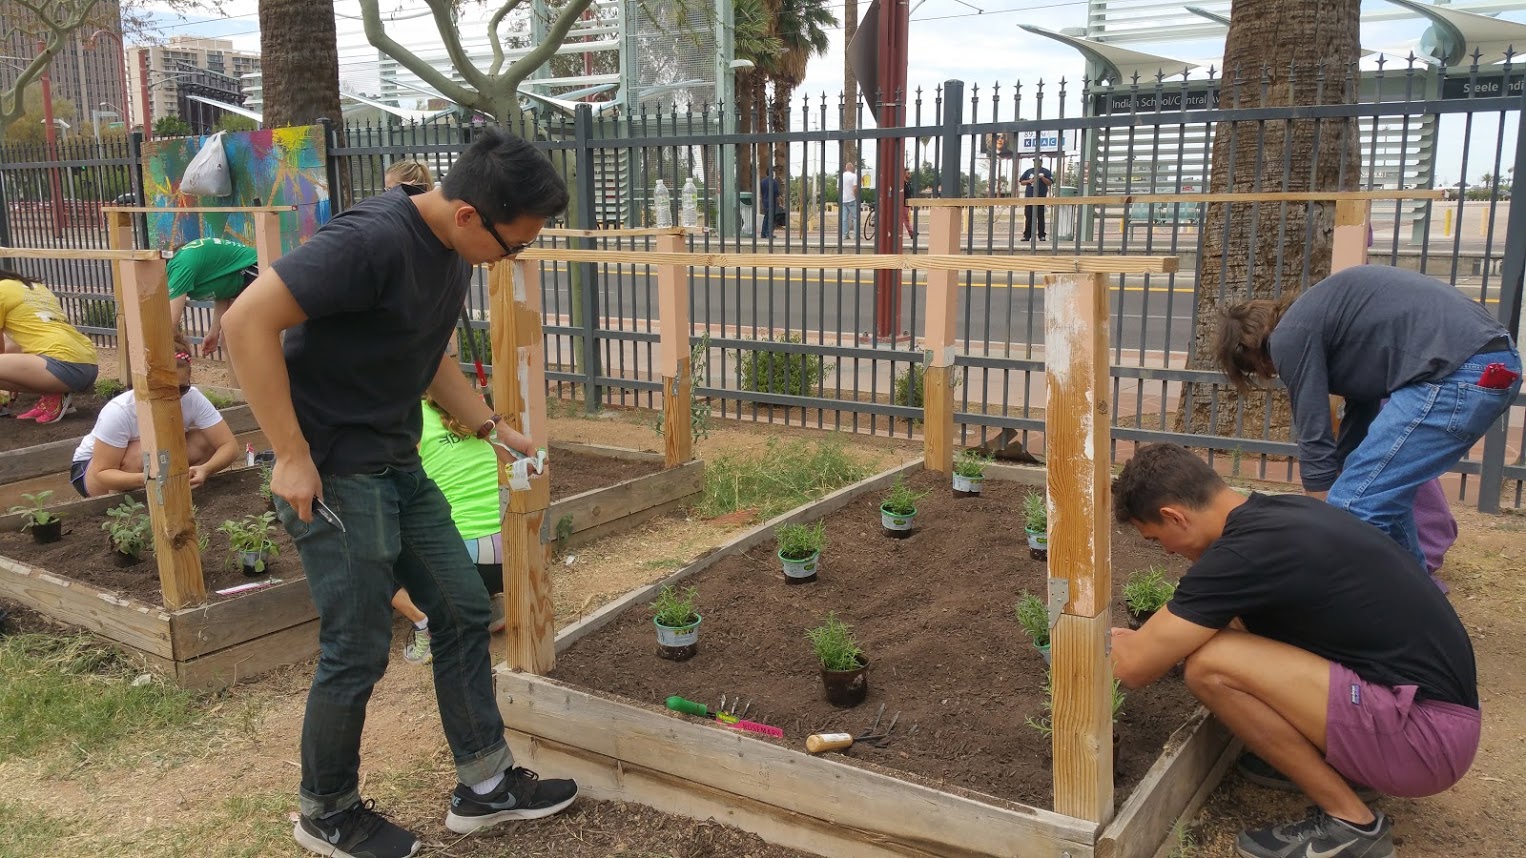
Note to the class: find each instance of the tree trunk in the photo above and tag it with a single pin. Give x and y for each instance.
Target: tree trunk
(1294, 52)
(299, 61)
(746, 105)
(849, 84)
(779, 116)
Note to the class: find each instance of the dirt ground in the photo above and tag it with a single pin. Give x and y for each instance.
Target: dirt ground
(227, 788)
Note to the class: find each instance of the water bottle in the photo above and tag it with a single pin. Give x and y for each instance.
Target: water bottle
(663, 204)
(689, 214)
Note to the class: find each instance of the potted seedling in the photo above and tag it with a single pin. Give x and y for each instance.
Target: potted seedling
(1036, 523)
(251, 540)
(800, 551)
(1145, 593)
(970, 473)
(1044, 724)
(844, 670)
(898, 512)
(270, 500)
(45, 526)
(128, 526)
(1033, 616)
(677, 623)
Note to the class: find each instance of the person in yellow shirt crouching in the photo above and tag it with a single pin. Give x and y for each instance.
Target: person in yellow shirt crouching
(40, 351)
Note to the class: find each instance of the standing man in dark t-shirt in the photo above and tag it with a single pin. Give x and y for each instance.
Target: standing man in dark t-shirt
(1035, 181)
(1315, 638)
(368, 306)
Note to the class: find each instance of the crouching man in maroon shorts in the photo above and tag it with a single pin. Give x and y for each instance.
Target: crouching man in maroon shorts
(1346, 672)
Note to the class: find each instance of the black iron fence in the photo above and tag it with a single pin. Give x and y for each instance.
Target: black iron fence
(838, 350)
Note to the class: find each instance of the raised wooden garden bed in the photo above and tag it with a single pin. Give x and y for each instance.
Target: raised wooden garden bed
(586, 506)
(956, 787)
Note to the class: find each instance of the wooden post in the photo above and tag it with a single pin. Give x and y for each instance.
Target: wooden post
(119, 237)
(150, 344)
(267, 237)
(1351, 225)
(938, 345)
(519, 390)
(673, 354)
(1080, 529)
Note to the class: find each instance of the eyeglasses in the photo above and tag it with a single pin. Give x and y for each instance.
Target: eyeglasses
(508, 249)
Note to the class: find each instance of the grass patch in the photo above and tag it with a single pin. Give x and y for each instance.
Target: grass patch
(663, 563)
(25, 833)
(241, 826)
(71, 691)
(784, 476)
(218, 400)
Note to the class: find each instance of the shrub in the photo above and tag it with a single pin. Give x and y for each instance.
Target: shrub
(785, 373)
(109, 388)
(801, 541)
(129, 527)
(1147, 590)
(674, 609)
(971, 463)
(909, 386)
(35, 514)
(1036, 513)
(901, 500)
(254, 533)
(98, 314)
(834, 644)
(1033, 616)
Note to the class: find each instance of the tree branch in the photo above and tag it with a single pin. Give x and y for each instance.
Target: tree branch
(12, 101)
(376, 34)
(450, 34)
(527, 64)
(496, 40)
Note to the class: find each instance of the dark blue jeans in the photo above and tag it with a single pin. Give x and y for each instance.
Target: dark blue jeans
(397, 531)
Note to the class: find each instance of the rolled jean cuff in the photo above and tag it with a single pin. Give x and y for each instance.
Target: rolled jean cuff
(484, 764)
(313, 806)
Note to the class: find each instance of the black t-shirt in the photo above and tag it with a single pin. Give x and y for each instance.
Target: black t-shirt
(1038, 188)
(382, 296)
(1297, 570)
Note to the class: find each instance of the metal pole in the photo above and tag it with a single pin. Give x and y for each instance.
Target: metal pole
(582, 130)
(1512, 281)
(953, 117)
(891, 152)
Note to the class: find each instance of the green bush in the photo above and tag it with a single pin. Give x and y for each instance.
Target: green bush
(784, 476)
(98, 314)
(785, 373)
(909, 386)
(479, 339)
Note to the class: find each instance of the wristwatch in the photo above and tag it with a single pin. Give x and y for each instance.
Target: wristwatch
(487, 428)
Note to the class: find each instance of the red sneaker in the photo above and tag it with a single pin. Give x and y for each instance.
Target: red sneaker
(50, 408)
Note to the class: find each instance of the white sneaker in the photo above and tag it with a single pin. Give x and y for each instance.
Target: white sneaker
(416, 651)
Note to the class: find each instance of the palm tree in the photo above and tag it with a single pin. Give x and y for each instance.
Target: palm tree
(801, 26)
(849, 82)
(754, 40)
(299, 59)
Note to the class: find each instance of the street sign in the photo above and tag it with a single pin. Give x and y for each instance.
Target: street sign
(1044, 141)
(1484, 86)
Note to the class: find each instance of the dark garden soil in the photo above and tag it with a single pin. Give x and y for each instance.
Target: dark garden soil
(15, 434)
(84, 553)
(575, 473)
(934, 616)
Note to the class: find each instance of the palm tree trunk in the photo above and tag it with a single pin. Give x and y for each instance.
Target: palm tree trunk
(1279, 49)
(745, 107)
(300, 61)
(849, 84)
(779, 119)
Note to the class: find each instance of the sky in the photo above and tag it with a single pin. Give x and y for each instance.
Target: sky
(977, 41)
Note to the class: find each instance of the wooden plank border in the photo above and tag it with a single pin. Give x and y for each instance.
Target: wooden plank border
(117, 618)
(53, 457)
(205, 629)
(883, 815)
(1196, 758)
(615, 508)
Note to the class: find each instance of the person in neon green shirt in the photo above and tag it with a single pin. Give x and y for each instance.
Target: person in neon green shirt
(210, 269)
(40, 351)
(466, 470)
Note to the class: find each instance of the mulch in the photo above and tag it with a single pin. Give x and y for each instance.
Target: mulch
(934, 615)
(575, 473)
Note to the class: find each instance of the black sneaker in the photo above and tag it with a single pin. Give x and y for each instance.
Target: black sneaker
(1319, 835)
(358, 832)
(1262, 773)
(522, 795)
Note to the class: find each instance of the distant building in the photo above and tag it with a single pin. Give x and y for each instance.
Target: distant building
(164, 76)
(88, 71)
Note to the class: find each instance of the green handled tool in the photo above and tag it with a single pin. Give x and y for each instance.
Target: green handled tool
(689, 707)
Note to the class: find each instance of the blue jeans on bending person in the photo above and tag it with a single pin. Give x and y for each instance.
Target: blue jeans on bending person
(397, 530)
(1423, 431)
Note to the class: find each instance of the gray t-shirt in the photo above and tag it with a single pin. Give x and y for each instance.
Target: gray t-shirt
(1363, 333)
(382, 296)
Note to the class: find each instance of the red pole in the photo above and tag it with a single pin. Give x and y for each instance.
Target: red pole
(148, 125)
(51, 132)
(894, 15)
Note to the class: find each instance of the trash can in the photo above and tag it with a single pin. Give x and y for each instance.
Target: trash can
(748, 226)
(1065, 216)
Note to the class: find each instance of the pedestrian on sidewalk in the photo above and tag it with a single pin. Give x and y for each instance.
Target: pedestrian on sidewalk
(1035, 181)
(367, 307)
(1447, 368)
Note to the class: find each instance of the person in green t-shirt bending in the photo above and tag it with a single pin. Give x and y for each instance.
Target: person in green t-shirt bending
(210, 269)
(466, 470)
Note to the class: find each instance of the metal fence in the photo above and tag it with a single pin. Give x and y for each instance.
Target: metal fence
(824, 348)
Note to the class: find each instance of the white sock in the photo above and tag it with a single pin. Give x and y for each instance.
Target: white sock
(488, 785)
(422, 625)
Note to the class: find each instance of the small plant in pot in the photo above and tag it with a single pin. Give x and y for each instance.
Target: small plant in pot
(252, 542)
(1036, 523)
(1045, 723)
(45, 526)
(677, 623)
(128, 526)
(800, 551)
(844, 670)
(970, 473)
(1033, 616)
(898, 511)
(265, 473)
(1145, 593)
